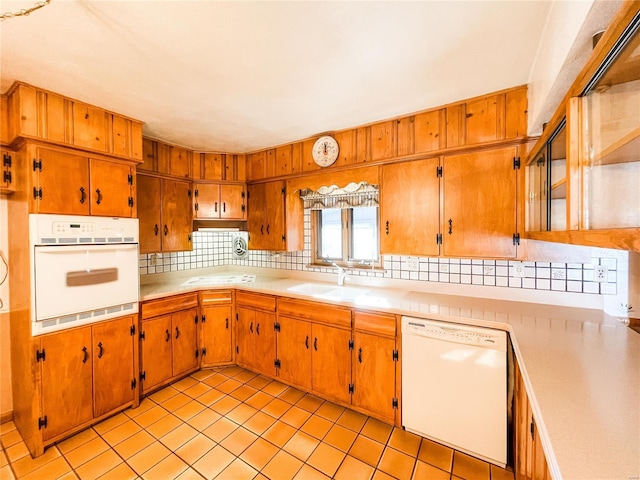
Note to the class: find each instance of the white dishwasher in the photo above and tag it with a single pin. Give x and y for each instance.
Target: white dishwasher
(454, 386)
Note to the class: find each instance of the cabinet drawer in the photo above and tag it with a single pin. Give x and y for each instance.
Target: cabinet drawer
(315, 312)
(167, 305)
(256, 300)
(216, 297)
(375, 323)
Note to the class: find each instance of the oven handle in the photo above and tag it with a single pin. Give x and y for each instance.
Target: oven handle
(80, 278)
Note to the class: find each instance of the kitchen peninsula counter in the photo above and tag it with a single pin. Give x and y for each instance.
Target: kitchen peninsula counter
(581, 367)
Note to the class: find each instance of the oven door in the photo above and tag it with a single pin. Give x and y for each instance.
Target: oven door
(82, 283)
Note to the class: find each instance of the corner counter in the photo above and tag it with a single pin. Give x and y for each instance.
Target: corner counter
(581, 367)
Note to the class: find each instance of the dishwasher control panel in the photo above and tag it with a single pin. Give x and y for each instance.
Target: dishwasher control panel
(453, 332)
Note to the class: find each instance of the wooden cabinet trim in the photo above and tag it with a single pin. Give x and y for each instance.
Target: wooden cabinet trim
(216, 297)
(256, 301)
(375, 323)
(308, 310)
(167, 305)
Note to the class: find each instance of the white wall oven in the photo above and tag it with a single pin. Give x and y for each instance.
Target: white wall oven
(84, 269)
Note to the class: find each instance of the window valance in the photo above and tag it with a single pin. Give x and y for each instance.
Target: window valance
(353, 195)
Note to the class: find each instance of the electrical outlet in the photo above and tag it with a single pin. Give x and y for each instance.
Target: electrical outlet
(153, 260)
(412, 264)
(600, 273)
(517, 269)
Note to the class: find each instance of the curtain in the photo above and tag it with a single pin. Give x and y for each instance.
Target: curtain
(353, 195)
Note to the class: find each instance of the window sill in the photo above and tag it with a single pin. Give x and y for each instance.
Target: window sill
(359, 268)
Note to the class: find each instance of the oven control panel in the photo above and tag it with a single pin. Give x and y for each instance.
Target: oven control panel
(66, 228)
(84, 230)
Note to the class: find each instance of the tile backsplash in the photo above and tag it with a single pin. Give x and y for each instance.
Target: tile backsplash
(214, 248)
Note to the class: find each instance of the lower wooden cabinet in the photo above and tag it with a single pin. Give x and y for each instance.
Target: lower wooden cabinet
(255, 332)
(216, 327)
(86, 373)
(530, 462)
(168, 340)
(375, 365)
(314, 347)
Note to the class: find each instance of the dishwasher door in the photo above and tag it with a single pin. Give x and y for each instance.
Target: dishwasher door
(454, 386)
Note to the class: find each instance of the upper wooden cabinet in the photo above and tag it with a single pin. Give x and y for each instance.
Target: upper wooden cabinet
(166, 159)
(219, 201)
(486, 120)
(480, 208)
(274, 217)
(4, 120)
(410, 208)
(36, 113)
(164, 212)
(583, 174)
(60, 181)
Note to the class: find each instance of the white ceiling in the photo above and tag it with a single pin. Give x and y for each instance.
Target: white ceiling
(240, 76)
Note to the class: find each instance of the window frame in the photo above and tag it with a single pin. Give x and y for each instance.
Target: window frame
(347, 242)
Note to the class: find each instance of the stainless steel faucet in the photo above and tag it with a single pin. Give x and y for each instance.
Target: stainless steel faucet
(342, 274)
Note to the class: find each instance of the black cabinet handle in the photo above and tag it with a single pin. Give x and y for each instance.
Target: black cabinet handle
(251, 327)
(360, 355)
(168, 335)
(166, 230)
(156, 229)
(226, 324)
(86, 355)
(258, 328)
(268, 229)
(215, 208)
(261, 229)
(315, 344)
(177, 332)
(101, 350)
(83, 195)
(386, 230)
(224, 207)
(306, 342)
(99, 199)
(450, 226)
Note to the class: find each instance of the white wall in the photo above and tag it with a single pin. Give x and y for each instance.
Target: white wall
(563, 51)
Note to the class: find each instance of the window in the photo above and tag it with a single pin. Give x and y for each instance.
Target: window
(346, 236)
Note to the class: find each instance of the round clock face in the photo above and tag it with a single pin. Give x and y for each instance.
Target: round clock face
(325, 151)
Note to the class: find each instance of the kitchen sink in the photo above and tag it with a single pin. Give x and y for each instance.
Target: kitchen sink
(312, 289)
(342, 293)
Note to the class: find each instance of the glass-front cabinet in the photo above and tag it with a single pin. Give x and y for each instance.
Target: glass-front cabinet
(582, 182)
(610, 164)
(547, 188)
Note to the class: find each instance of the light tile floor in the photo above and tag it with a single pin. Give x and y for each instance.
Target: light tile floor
(229, 423)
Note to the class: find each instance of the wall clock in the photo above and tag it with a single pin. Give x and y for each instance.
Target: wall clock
(325, 151)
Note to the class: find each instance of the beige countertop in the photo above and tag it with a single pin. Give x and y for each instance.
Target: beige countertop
(581, 367)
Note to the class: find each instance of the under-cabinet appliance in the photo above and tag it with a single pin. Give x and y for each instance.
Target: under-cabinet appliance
(84, 269)
(454, 386)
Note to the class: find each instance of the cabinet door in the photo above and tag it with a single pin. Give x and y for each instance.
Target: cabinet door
(274, 216)
(331, 362)
(213, 164)
(89, 127)
(66, 380)
(155, 351)
(256, 215)
(216, 335)
(245, 326)
(176, 216)
(232, 200)
(410, 208)
(112, 365)
(265, 343)
(110, 185)
(374, 374)
(207, 200)
(64, 182)
(185, 341)
(480, 204)
(294, 351)
(149, 219)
